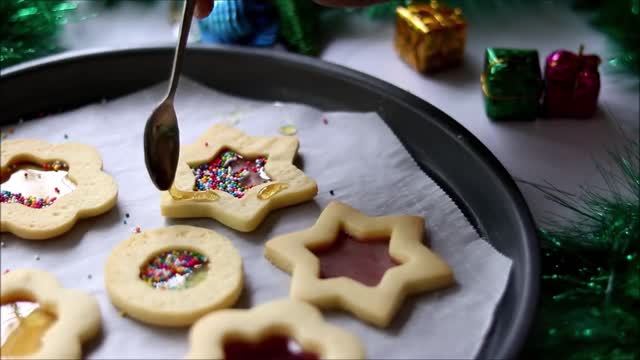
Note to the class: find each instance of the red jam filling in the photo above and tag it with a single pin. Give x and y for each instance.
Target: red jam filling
(363, 261)
(270, 348)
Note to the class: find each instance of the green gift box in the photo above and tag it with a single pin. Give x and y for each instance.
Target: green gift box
(511, 83)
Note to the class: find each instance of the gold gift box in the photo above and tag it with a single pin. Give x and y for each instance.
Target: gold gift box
(430, 36)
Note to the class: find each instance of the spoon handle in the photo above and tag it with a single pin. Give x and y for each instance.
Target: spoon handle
(187, 17)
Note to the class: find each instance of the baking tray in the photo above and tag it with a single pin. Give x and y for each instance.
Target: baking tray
(447, 152)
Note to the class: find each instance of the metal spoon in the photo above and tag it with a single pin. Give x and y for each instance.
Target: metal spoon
(161, 134)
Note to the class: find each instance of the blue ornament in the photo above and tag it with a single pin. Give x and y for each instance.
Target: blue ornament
(245, 22)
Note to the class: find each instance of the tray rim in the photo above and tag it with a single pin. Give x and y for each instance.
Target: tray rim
(526, 310)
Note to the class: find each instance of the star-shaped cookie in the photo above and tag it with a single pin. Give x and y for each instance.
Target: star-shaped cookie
(278, 184)
(43, 320)
(412, 267)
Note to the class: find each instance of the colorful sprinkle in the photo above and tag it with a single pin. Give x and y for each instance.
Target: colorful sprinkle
(125, 222)
(29, 201)
(177, 269)
(331, 192)
(137, 230)
(230, 173)
(325, 121)
(206, 143)
(288, 130)
(127, 215)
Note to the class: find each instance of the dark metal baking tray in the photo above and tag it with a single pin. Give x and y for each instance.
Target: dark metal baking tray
(451, 155)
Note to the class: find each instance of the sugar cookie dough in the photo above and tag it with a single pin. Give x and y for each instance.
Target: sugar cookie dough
(280, 329)
(412, 266)
(46, 188)
(236, 179)
(42, 320)
(172, 276)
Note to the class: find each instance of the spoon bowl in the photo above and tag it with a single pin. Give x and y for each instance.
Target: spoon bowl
(162, 145)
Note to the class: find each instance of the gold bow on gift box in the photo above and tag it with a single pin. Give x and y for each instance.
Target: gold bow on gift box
(430, 36)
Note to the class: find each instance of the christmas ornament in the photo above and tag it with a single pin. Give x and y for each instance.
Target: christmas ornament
(511, 83)
(430, 36)
(572, 84)
(299, 25)
(247, 22)
(591, 269)
(28, 28)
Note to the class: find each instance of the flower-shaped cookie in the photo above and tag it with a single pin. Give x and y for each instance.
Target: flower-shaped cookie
(88, 192)
(172, 276)
(405, 266)
(226, 194)
(42, 320)
(282, 329)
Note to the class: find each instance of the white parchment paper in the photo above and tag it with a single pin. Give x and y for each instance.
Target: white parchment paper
(354, 154)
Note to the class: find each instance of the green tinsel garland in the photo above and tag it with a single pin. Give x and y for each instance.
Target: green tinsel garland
(590, 303)
(620, 20)
(28, 28)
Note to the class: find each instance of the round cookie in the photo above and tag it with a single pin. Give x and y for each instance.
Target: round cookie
(76, 189)
(172, 276)
(281, 329)
(42, 320)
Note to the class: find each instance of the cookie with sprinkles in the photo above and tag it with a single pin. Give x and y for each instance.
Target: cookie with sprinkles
(236, 179)
(172, 276)
(45, 188)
